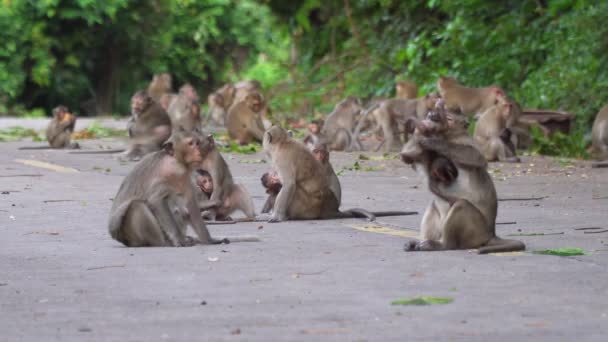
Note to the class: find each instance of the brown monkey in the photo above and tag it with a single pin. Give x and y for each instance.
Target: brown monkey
(314, 133)
(219, 102)
(406, 90)
(243, 120)
(305, 193)
(385, 117)
(59, 130)
(493, 135)
(184, 110)
(155, 202)
(161, 84)
(321, 154)
(340, 123)
(272, 183)
(148, 127)
(599, 135)
(462, 214)
(467, 100)
(230, 196)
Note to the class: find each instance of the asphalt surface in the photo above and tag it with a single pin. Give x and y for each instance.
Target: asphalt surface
(62, 278)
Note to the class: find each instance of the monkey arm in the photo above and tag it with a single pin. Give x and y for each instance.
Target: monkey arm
(198, 225)
(461, 154)
(174, 228)
(284, 199)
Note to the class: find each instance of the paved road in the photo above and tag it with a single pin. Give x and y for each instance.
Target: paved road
(62, 278)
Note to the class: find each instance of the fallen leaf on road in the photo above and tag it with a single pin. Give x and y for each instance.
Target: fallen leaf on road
(373, 228)
(213, 259)
(562, 251)
(423, 301)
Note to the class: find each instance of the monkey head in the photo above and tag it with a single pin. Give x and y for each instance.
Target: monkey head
(139, 102)
(255, 101)
(204, 181)
(321, 153)
(188, 91)
(184, 146)
(273, 137)
(315, 126)
(272, 183)
(164, 79)
(62, 113)
(215, 100)
(227, 92)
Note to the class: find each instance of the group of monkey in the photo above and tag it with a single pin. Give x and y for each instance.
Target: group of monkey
(183, 180)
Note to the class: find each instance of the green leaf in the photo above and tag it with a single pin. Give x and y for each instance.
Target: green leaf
(423, 301)
(562, 251)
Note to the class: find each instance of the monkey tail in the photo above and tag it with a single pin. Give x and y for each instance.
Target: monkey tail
(394, 213)
(498, 245)
(98, 151)
(357, 212)
(35, 148)
(242, 238)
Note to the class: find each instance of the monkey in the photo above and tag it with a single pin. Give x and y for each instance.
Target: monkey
(493, 135)
(314, 133)
(305, 193)
(340, 123)
(272, 183)
(59, 131)
(462, 214)
(467, 100)
(321, 154)
(219, 102)
(599, 135)
(243, 120)
(223, 190)
(386, 117)
(184, 110)
(155, 203)
(406, 90)
(161, 84)
(149, 128)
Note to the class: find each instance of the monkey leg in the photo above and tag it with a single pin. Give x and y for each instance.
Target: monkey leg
(464, 227)
(430, 227)
(140, 227)
(341, 141)
(500, 151)
(238, 199)
(170, 217)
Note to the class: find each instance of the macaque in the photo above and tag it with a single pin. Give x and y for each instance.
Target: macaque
(467, 100)
(219, 102)
(305, 193)
(148, 127)
(599, 135)
(184, 110)
(314, 133)
(386, 116)
(493, 136)
(243, 120)
(340, 123)
(272, 184)
(321, 154)
(161, 84)
(462, 214)
(155, 202)
(59, 130)
(406, 90)
(222, 190)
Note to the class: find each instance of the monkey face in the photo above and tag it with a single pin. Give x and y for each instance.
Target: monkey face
(205, 183)
(273, 136)
(313, 128)
(321, 155)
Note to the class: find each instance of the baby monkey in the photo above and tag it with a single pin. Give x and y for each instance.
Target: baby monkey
(204, 182)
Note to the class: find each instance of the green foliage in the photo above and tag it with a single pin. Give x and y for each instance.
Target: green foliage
(18, 133)
(96, 131)
(423, 301)
(233, 147)
(562, 251)
(572, 145)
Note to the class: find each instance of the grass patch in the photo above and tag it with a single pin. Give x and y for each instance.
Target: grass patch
(233, 147)
(96, 130)
(423, 301)
(18, 133)
(358, 167)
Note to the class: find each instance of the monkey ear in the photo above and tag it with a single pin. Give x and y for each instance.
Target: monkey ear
(168, 147)
(210, 140)
(290, 133)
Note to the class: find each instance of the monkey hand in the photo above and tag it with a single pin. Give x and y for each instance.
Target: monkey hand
(209, 215)
(412, 246)
(275, 217)
(189, 241)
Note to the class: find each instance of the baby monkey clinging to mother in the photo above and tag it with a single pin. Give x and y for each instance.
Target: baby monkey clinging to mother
(462, 214)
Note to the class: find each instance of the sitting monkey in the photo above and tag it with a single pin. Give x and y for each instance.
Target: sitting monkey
(59, 130)
(222, 209)
(462, 214)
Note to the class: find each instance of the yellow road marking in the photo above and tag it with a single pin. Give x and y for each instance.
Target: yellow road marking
(45, 165)
(508, 253)
(374, 228)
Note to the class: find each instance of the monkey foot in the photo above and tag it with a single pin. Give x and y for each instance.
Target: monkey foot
(411, 246)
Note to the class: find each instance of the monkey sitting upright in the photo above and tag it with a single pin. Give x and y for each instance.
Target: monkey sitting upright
(59, 130)
(305, 193)
(155, 202)
(340, 123)
(599, 135)
(314, 135)
(222, 190)
(462, 214)
(493, 135)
